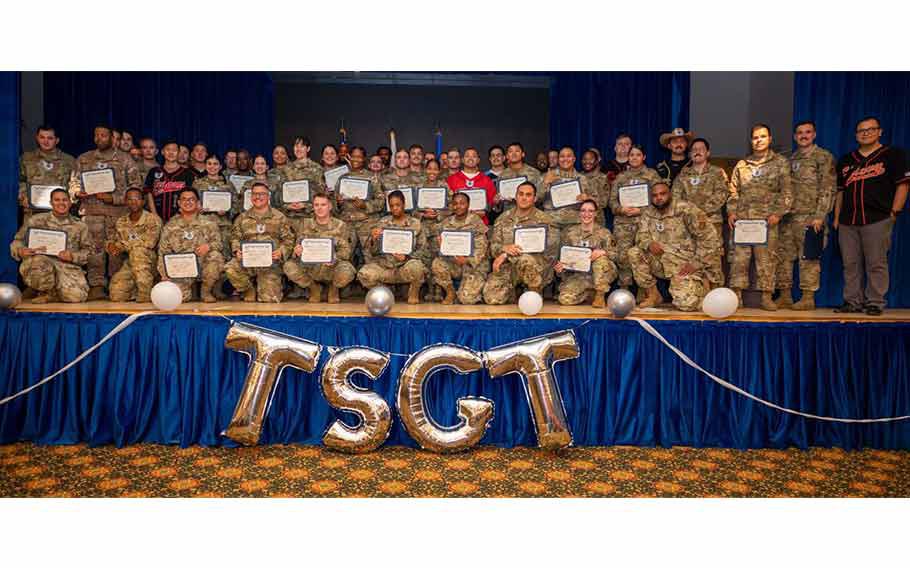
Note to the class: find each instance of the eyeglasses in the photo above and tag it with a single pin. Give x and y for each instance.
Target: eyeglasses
(188, 200)
(868, 130)
(260, 195)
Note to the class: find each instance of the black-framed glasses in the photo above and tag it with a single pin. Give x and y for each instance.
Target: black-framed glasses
(868, 130)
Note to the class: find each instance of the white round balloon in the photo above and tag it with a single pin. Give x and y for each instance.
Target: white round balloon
(530, 303)
(720, 303)
(166, 296)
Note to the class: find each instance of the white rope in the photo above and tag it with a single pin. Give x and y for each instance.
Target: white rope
(647, 327)
(120, 327)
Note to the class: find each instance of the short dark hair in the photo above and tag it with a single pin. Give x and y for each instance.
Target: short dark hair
(361, 148)
(332, 146)
(396, 194)
(201, 144)
(415, 147)
(461, 194)
(259, 184)
(212, 155)
(757, 126)
(661, 182)
(470, 148)
(383, 148)
(869, 117)
(496, 147)
(638, 147)
(567, 147)
(104, 126)
(144, 138)
(61, 190)
(125, 131)
(229, 150)
(703, 141)
(170, 141)
(134, 188)
(520, 147)
(624, 135)
(323, 195)
(592, 202)
(46, 128)
(190, 190)
(433, 161)
(531, 185)
(804, 122)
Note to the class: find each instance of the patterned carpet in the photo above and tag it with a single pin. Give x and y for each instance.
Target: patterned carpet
(27, 470)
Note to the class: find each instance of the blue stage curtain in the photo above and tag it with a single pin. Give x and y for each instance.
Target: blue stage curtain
(835, 101)
(169, 379)
(591, 108)
(9, 171)
(220, 108)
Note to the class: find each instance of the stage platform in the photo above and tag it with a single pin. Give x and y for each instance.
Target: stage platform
(168, 378)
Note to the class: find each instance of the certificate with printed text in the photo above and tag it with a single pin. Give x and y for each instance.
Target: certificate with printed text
(431, 197)
(247, 199)
(577, 259)
(634, 195)
(456, 243)
(478, 199)
(255, 254)
(182, 265)
(333, 175)
(354, 188)
(98, 181)
(750, 232)
(408, 198)
(509, 187)
(317, 250)
(295, 191)
(39, 196)
(565, 193)
(238, 181)
(53, 242)
(396, 241)
(216, 201)
(532, 239)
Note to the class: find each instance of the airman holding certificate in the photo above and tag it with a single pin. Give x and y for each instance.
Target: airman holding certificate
(433, 202)
(53, 247)
(461, 253)
(359, 200)
(322, 253)
(587, 260)
(261, 174)
(40, 171)
(136, 234)
(303, 180)
(599, 182)
(221, 204)
(517, 169)
(564, 189)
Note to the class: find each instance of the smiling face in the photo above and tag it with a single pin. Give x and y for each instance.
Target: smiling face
(329, 156)
(636, 158)
(126, 141)
(212, 166)
(279, 156)
(187, 202)
(301, 150)
(461, 203)
(376, 163)
(566, 159)
(588, 161)
(402, 160)
(260, 198)
(322, 207)
(60, 203)
(804, 135)
(260, 166)
(243, 160)
(868, 132)
(471, 159)
(357, 158)
(183, 155)
(432, 172)
(497, 158)
(587, 213)
(761, 139)
(416, 155)
(699, 153)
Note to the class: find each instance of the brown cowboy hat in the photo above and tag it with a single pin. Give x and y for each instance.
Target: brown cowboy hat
(676, 133)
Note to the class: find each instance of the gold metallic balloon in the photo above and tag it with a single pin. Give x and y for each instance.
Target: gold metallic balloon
(341, 394)
(474, 413)
(269, 352)
(532, 358)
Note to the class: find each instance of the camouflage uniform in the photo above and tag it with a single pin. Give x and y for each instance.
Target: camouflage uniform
(813, 181)
(392, 181)
(431, 229)
(534, 270)
(224, 222)
(533, 175)
(299, 171)
(600, 192)
(341, 272)
(40, 168)
(686, 235)
(100, 217)
(183, 236)
(565, 216)
(624, 227)
(385, 269)
(361, 221)
(136, 277)
(473, 274)
(274, 184)
(49, 274)
(271, 226)
(144, 169)
(575, 287)
(758, 189)
(708, 191)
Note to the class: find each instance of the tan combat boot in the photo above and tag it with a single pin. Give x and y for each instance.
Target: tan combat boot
(785, 300)
(250, 294)
(598, 299)
(29, 293)
(414, 293)
(739, 295)
(207, 296)
(50, 297)
(315, 292)
(652, 299)
(450, 295)
(807, 302)
(333, 295)
(96, 293)
(767, 303)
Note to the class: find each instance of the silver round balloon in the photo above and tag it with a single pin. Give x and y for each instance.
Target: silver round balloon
(621, 303)
(10, 296)
(380, 300)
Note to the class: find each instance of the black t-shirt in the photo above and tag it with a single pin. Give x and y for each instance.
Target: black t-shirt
(869, 184)
(614, 168)
(669, 169)
(166, 187)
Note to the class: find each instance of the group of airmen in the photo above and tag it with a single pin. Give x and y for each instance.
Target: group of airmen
(117, 241)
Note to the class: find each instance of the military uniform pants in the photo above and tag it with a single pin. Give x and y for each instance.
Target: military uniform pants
(411, 272)
(714, 271)
(766, 262)
(46, 274)
(624, 233)
(470, 291)
(575, 287)
(212, 272)
(687, 291)
(340, 275)
(101, 228)
(136, 277)
(524, 269)
(790, 244)
(360, 235)
(269, 286)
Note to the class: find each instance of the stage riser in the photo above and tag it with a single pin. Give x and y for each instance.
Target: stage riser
(169, 379)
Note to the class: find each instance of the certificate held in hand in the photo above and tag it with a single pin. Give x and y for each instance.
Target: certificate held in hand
(396, 241)
(564, 194)
(317, 250)
(239, 181)
(750, 232)
(408, 193)
(216, 201)
(456, 243)
(256, 254)
(39, 196)
(509, 187)
(98, 181)
(333, 175)
(295, 191)
(577, 259)
(634, 195)
(478, 199)
(431, 198)
(248, 200)
(354, 188)
(532, 239)
(182, 265)
(52, 242)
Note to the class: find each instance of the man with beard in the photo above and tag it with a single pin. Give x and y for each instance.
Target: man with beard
(677, 142)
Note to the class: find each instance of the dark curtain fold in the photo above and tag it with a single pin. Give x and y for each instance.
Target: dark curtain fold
(169, 379)
(836, 101)
(9, 171)
(223, 109)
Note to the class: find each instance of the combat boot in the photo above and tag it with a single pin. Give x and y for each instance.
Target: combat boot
(250, 294)
(96, 293)
(537, 289)
(143, 298)
(218, 290)
(767, 303)
(807, 302)
(598, 299)
(414, 293)
(652, 299)
(315, 292)
(333, 295)
(785, 300)
(46, 298)
(29, 293)
(450, 295)
(739, 295)
(295, 293)
(207, 296)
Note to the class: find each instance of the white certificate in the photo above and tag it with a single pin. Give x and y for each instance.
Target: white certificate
(216, 201)
(53, 242)
(456, 243)
(408, 198)
(577, 259)
(248, 200)
(39, 196)
(478, 199)
(354, 188)
(98, 181)
(431, 197)
(182, 265)
(396, 241)
(750, 232)
(531, 239)
(634, 195)
(332, 176)
(509, 187)
(295, 191)
(238, 181)
(317, 251)
(256, 254)
(564, 193)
